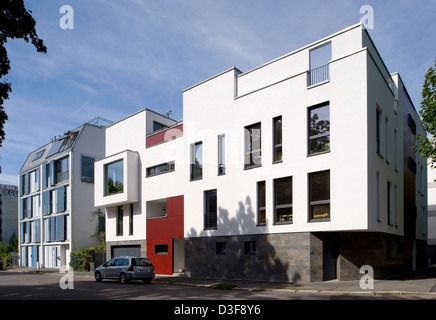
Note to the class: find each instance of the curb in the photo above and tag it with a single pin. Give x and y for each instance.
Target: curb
(379, 293)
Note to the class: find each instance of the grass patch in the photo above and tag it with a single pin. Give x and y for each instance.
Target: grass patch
(224, 286)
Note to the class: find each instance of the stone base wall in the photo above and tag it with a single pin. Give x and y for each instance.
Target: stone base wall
(273, 257)
(292, 257)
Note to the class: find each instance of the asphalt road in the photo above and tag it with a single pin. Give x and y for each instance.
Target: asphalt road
(173, 301)
(59, 286)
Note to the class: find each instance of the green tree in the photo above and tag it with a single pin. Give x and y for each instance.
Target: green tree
(15, 22)
(427, 145)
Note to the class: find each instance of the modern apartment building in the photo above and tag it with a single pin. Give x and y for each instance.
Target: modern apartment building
(8, 212)
(301, 168)
(431, 228)
(56, 187)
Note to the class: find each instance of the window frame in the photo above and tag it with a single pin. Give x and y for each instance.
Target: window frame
(318, 202)
(106, 178)
(196, 170)
(221, 154)
(87, 169)
(120, 221)
(165, 167)
(210, 219)
(261, 207)
(311, 137)
(277, 139)
(249, 140)
(277, 207)
(158, 249)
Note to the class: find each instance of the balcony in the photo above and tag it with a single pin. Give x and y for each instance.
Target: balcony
(116, 179)
(318, 75)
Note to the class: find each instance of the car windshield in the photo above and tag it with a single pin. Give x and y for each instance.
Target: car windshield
(141, 262)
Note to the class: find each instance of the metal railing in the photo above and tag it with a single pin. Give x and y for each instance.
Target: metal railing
(319, 74)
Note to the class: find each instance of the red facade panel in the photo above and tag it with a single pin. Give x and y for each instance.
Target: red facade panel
(162, 231)
(162, 262)
(164, 136)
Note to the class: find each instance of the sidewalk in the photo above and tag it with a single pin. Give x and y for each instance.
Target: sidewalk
(417, 283)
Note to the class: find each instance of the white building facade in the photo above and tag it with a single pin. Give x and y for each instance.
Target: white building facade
(431, 228)
(56, 186)
(300, 168)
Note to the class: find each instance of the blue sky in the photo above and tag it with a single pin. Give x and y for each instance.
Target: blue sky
(123, 56)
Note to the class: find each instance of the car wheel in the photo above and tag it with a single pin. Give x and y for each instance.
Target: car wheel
(123, 278)
(98, 277)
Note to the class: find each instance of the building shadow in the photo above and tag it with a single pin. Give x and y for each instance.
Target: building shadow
(235, 251)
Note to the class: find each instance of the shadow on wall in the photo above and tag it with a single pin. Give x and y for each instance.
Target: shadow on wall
(239, 255)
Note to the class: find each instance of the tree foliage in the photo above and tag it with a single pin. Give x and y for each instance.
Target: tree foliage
(427, 145)
(15, 22)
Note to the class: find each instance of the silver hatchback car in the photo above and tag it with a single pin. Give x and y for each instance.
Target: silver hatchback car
(125, 269)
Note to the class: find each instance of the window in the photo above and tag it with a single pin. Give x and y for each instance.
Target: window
(277, 143)
(411, 123)
(319, 195)
(319, 129)
(249, 247)
(160, 249)
(158, 126)
(161, 168)
(389, 204)
(62, 170)
(120, 216)
(63, 144)
(114, 178)
(196, 161)
(395, 149)
(47, 199)
(221, 154)
(39, 154)
(319, 64)
(253, 154)
(220, 248)
(61, 199)
(378, 131)
(88, 169)
(131, 220)
(261, 203)
(378, 196)
(283, 200)
(210, 210)
(387, 139)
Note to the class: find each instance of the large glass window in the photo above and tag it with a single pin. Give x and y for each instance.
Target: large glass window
(319, 129)
(319, 195)
(283, 200)
(114, 177)
(253, 150)
(196, 161)
(210, 209)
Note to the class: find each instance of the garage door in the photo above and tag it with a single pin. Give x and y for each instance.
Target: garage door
(118, 251)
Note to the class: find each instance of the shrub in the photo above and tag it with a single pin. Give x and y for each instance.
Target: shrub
(80, 259)
(6, 249)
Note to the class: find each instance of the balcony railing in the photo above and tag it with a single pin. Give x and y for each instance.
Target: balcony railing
(319, 74)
